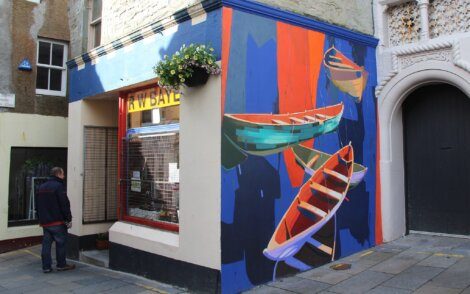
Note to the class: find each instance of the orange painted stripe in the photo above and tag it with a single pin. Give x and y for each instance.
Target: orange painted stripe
(226, 35)
(299, 57)
(378, 189)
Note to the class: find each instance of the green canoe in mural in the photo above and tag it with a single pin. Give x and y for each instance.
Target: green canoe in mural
(266, 134)
(311, 160)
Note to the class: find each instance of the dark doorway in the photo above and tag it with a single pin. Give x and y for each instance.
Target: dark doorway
(436, 122)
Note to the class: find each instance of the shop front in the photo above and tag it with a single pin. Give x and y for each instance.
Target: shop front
(268, 169)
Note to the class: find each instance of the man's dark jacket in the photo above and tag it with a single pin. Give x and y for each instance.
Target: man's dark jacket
(52, 203)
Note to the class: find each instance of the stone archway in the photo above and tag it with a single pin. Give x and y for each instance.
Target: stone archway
(391, 98)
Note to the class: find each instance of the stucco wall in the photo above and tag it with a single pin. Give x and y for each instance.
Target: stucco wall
(25, 131)
(84, 113)
(77, 24)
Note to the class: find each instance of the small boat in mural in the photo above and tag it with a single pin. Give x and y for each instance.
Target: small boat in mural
(265, 134)
(315, 204)
(345, 74)
(312, 159)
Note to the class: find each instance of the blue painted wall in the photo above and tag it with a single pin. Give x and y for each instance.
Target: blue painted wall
(134, 64)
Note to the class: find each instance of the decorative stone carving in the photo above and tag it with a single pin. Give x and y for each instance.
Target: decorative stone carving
(404, 23)
(448, 16)
(405, 61)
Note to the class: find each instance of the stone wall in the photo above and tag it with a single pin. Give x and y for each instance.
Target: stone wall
(28, 22)
(355, 15)
(78, 30)
(120, 17)
(5, 47)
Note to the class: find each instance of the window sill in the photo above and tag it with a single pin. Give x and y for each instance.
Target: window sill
(50, 93)
(132, 234)
(154, 224)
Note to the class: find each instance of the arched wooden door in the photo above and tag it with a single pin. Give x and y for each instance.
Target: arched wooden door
(436, 121)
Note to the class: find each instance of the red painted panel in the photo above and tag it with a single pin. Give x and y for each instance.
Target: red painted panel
(299, 58)
(226, 35)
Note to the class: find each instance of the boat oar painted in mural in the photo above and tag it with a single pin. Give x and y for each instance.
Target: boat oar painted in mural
(315, 204)
(344, 73)
(265, 134)
(312, 159)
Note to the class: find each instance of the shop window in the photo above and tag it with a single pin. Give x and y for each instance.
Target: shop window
(29, 168)
(150, 164)
(100, 175)
(51, 74)
(94, 32)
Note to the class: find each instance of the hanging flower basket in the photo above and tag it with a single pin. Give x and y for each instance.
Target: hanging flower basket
(190, 65)
(198, 78)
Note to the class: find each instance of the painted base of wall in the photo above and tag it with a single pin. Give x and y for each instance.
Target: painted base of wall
(75, 244)
(194, 277)
(15, 244)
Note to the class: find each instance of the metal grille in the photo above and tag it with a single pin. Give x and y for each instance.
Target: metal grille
(100, 175)
(152, 176)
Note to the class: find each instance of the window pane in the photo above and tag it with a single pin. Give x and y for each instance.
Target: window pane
(56, 79)
(97, 29)
(42, 78)
(44, 56)
(96, 10)
(57, 54)
(29, 168)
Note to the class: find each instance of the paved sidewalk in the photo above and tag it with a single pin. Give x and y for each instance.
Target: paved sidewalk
(413, 264)
(20, 272)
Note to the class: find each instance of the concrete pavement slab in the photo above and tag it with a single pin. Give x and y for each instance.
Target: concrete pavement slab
(414, 277)
(456, 276)
(361, 283)
(440, 260)
(388, 290)
(299, 285)
(268, 290)
(431, 288)
(400, 262)
(325, 275)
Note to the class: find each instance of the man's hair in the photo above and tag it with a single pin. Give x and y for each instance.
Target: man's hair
(55, 171)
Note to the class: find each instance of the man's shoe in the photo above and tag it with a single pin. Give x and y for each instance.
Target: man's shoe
(46, 271)
(66, 267)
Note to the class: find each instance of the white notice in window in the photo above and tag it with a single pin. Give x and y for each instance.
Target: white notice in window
(173, 172)
(7, 100)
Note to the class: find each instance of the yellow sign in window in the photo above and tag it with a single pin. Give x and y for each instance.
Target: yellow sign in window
(150, 99)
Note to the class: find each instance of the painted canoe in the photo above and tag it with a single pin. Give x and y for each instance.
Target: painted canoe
(265, 134)
(345, 74)
(315, 204)
(312, 159)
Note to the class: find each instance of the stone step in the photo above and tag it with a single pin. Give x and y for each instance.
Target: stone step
(95, 257)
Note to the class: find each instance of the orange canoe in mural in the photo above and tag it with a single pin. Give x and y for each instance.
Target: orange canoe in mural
(345, 74)
(315, 204)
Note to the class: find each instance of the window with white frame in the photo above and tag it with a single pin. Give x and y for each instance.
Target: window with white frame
(94, 37)
(51, 76)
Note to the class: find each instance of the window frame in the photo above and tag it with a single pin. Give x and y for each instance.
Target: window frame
(122, 194)
(92, 24)
(63, 68)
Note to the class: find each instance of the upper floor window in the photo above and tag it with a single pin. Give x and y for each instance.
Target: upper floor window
(51, 76)
(94, 38)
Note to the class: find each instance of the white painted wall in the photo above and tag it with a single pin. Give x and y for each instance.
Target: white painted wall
(85, 113)
(198, 241)
(24, 130)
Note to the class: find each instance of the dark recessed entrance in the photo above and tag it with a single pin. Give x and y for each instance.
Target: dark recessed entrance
(436, 121)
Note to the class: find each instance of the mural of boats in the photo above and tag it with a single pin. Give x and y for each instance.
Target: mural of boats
(312, 159)
(345, 74)
(265, 134)
(316, 203)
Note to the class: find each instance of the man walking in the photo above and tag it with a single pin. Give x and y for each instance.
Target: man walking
(53, 207)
